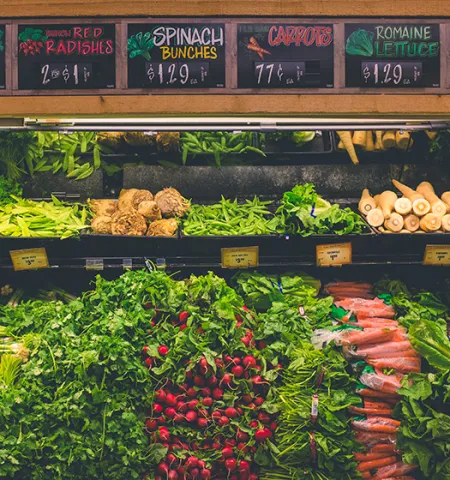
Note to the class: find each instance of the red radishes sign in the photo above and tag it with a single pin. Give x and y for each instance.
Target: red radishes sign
(54, 57)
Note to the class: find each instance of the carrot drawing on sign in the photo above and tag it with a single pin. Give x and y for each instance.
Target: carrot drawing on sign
(254, 45)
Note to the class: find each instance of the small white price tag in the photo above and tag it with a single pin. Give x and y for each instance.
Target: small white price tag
(437, 255)
(241, 257)
(29, 259)
(334, 254)
(94, 264)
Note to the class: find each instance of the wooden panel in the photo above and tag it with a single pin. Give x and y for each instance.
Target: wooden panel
(342, 8)
(151, 105)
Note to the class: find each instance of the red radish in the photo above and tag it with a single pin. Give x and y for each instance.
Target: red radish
(231, 412)
(227, 452)
(258, 367)
(273, 426)
(216, 414)
(246, 341)
(195, 472)
(203, 362)
(234, 477)
(238, 371)
(216, 445)
(249, 334)
(183, 316)
(157, 477)
(254, 424)
(264, 417)
(180, 471)
(199, 381)
(258, 380)
(243, 448)
(189, 374)
(149, 363)
(193, 404)
(182, 327)
(151, 424)
(191, 416)
(194, 446)
(182, 407)
(217, 394)
(191, 462)
(164, 434)
(244, 475)
(258, 401)
(207, 401)
(170, 412)
(202, 422)
(163, 468)
(163, 350)
(191, 392)
(262, 345)
(157, 408)
(160, 396)
(239, 324)
(172, 475)
(230, 442)
(178, 418)
(205, 474)
(171, 400)
(219, 362)
(202, 413)
(247, 398)
(240, 410)
(171, 458)
(242, 436)
(227, 379)
(249, 361)
(228, 359)
(145, 350)
(244, 466)
(224, 420)
(161, 420)
(253, 476)
(201, 464)
(230, 464)
(205, 392)
(252, 406)
(238, 317)
(212, 381)
(260, 435)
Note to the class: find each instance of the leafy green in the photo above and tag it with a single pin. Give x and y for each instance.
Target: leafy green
(140, 44)
(7, 188)
(2, 46)
(304, 212)
(260, 290)
(424, 434)
(360, 43)
(431, 341)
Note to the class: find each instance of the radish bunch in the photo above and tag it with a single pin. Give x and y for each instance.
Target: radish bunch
(212, 423)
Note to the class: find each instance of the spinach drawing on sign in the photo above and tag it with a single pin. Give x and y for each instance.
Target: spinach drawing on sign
(2, 47)
(140, 44)
(360, 43)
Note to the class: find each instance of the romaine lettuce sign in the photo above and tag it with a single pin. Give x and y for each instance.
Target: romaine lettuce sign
(392, 55)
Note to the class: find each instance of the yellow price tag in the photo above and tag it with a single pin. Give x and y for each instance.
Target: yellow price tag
(29, 259)
(240, 257)
(437, 255)
(334, 254)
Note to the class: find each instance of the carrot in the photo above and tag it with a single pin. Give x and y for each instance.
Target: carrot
(381, 462)
(346, 138)
(374, 425)
(372, 404)
(367, 457)
(387, 202)
(374, 438)
(366, 203)
(366, 475)
(388, 397)
(395, 470)
(384, 448)
(368, 335)
(438, 207)
(401, 477)
(401, 364)
(430, 222)
(258, 49)
(371, 411)
(406, 354)
(360, 138)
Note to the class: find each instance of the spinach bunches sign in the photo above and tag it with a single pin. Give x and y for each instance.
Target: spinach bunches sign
(392, 55)
(285, 56)
(2, 58)
(176, 55)
(55, 57)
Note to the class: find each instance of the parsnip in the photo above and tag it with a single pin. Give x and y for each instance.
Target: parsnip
(389, 139)
(431, 135)
(379, 140)
(360, 138)
(370, 145)
(446, 198)
(387, 202)
(421, 207)
(375, 217)
(377, 199)
(407, 191)
(404, 231)
(341, 147)
(403, 206)
(411, 223)
(346, 138)
(394, 223)
(366, 203)
(402, 139)
(446, 223)
(438, 207)
(430, 222)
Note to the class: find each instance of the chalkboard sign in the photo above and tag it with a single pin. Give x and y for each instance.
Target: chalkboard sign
(74, 57)
(176, 55)
(392, 55)
(2, 58)
(285, 56)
